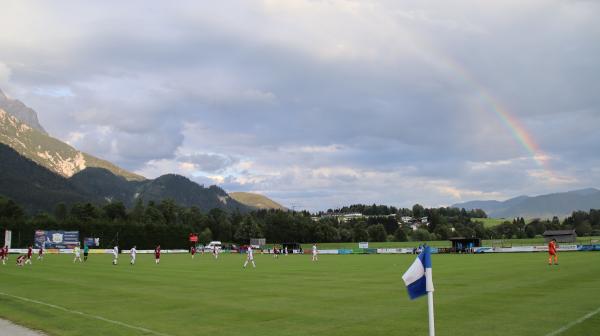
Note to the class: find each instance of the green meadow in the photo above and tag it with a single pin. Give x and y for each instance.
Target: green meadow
(493, 294)
(491, 222)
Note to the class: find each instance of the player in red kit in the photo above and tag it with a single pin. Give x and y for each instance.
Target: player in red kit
(157, 254)
(2, 256)
(29, 254)
(41, 253)
(5, 252)
(552, 252)
(193, 251)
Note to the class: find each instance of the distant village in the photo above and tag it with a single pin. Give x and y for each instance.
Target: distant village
(407, 221)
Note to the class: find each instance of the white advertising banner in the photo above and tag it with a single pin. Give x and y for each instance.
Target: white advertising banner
(539, 248)
(567, 247)
(389, 250)
(328, 251)
(363, 245)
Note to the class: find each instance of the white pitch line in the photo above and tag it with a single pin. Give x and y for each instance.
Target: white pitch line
(96, 317)
(574, 323)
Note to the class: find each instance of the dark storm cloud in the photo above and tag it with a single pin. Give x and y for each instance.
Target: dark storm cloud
(319, 103)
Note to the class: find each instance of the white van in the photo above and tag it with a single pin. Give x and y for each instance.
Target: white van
(212, 245)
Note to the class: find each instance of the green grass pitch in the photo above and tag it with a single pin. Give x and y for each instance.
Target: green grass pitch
(499, 294)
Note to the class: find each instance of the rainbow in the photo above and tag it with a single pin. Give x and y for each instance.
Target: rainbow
(512, 124)
(516, 128)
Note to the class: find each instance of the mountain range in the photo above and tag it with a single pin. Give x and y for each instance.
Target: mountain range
(39, 189)
(542, 206)
(39, 171)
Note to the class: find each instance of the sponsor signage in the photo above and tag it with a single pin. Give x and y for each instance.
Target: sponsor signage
(388, 250)
(363, 245)
(56, 239)
(328, 251)
(193, 238)
(92, 242)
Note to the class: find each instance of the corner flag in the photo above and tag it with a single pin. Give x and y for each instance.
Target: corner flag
(418, 280)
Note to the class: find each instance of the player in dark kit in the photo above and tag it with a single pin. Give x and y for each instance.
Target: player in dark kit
(29, 254)
(193, 251)
(41, 253)
(2, 256)
(21, 260)
(157, 254)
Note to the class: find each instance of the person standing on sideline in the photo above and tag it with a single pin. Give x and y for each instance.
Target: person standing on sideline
(193, 251)
(552, 252)
(157, 254)
(315, 252)
(41, 253)
(115, 255)
(216, 252)
(249, 257)
(77, 252)
(29, 254)
(86, 251)
(133, 253)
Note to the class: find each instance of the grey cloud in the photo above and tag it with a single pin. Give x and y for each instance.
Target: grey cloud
(209, 162)
(406, 90)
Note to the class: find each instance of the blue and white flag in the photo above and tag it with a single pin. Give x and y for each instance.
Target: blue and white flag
(418, 278)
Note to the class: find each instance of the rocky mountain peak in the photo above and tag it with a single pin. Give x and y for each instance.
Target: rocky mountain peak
(21, 111)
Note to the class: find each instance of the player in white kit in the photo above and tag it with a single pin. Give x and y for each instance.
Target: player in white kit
(77, 252)
(249, 257)
(216, 252)
(133, 253)
(115, 255)
(315, 253)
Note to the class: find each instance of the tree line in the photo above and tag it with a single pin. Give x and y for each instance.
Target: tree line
(168, 224)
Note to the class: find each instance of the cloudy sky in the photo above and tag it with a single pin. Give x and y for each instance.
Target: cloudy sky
(319, 104)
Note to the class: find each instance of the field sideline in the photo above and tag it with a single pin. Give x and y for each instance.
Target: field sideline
(446, 243)
(498, 294)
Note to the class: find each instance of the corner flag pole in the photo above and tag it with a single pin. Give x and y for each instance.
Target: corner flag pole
(429, 289)
(431, 319)
(419, 281)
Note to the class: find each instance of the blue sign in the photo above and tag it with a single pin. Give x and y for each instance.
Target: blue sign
(56, 239)
(92, 242)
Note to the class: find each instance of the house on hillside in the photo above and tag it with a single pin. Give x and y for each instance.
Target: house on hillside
(406, 219)
(561, 236)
